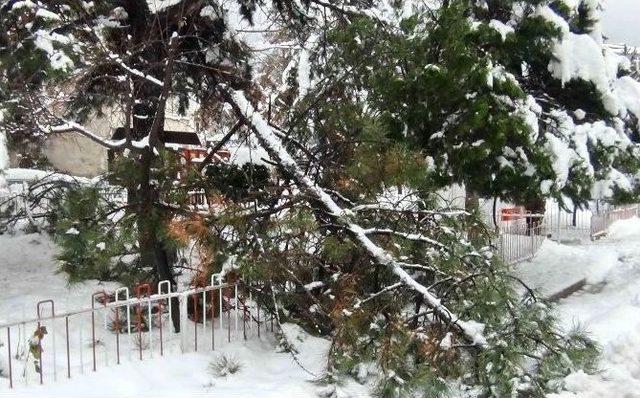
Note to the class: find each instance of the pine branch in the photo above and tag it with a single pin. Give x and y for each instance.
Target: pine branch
(273, 145)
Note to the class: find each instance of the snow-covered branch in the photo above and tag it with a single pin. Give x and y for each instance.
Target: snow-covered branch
(69, 126)
(273, 145)
(391, 208)
(134, 71)
(407, 236)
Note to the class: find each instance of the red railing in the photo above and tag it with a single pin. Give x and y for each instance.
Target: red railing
(146, 334)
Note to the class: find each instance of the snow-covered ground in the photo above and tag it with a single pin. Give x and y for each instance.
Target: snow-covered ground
(609, 307)
(28, 276)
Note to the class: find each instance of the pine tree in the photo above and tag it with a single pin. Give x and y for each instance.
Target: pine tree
(482, 97)
(344, 233)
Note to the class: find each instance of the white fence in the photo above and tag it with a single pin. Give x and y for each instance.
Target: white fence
(520, 235)
(519, 241)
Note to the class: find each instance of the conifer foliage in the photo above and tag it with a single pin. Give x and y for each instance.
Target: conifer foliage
(364, 111)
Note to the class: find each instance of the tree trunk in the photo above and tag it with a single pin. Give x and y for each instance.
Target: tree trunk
(472, 205)
(153, 252)
(472, 202)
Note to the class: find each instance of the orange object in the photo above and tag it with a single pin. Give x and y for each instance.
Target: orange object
(512, 213)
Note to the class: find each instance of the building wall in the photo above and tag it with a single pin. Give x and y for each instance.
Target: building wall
(74, 154)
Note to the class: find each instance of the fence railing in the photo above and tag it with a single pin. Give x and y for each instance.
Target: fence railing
(520, 237)
(519, 240)
(119, 328)
(601, 222)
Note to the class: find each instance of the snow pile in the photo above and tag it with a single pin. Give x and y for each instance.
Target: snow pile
(45, 41)
(583, 57)
(608, 307)
(558, 266)
(156, 6)
(627, 90)
(501, 28)
(569, 144)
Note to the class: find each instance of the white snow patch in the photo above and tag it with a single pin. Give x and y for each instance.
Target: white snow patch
(501, 28)
(610, 311)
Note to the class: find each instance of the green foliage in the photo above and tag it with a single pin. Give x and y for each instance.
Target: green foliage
(238, 182)
(431, 88)
(97, 239)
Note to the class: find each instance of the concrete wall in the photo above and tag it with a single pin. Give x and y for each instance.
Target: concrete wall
(74, 154)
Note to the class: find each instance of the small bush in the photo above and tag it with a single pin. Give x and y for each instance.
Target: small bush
(141, 341)
(224, 366)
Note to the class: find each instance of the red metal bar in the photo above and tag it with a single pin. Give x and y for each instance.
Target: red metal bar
(139, 289)
(9, 352)
(40, 351)
(53, 314)
(213, 324)
(244, 322)
(258, 319)
(66, 328)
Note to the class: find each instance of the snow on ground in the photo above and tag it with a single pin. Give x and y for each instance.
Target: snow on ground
(264, 372)
(608, 307)
(28, 276)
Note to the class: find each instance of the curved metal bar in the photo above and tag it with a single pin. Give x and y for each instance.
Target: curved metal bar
(218, 276)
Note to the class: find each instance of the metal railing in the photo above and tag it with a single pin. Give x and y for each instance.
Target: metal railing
(519, 240)
(119, 328)
(601, 222)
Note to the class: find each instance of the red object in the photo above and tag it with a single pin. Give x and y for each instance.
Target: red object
(147, 292)
(512, 213)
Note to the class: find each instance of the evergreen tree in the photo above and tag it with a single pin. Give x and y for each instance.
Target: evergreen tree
(344, 233)
(485, 98)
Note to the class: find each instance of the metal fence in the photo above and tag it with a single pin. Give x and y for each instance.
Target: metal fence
(119, 328)
(519, 240)
(601, 222)
(521, 235)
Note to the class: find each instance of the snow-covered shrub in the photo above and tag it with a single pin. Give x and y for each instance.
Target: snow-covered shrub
(224, 365)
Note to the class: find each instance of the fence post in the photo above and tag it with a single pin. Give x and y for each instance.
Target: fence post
(147, 289)
(128, 309)
(9, 357)
(182, 300)
(93, 324)
(66, 327)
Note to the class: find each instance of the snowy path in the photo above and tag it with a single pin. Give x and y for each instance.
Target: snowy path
(609, 307)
